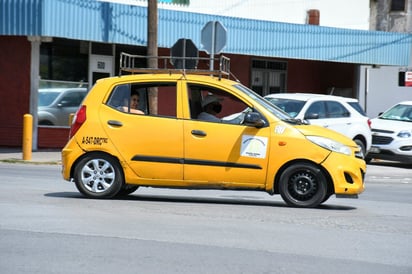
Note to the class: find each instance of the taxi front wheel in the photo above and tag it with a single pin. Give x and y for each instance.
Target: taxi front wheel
(98, 176)
(303, 185)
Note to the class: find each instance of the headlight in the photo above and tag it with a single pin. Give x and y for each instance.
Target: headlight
(404, 134)
(330, 144)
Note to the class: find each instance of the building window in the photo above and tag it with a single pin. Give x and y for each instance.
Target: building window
(64, 60)
(268, 76)
(398, 5)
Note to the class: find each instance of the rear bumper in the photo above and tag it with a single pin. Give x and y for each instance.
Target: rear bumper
(70, 153)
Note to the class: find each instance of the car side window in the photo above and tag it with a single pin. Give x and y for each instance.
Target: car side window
(72, 99)
(124, 97)
(316, 110)
(336, 110)
(215, 105)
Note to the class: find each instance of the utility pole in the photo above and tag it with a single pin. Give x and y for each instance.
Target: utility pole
(152, 61)
(152, 33)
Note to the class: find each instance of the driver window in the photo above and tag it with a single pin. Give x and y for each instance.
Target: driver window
(318, 109)
(214, 105)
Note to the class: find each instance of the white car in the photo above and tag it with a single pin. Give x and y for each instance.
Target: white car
(341, 114)
(392, 134)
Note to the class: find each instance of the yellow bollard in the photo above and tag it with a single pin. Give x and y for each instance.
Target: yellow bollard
(27, 136)
(71, 117)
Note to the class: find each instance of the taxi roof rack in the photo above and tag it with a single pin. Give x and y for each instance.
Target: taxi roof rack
(135, 64)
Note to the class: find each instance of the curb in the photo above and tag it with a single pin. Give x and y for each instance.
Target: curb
(33, 162)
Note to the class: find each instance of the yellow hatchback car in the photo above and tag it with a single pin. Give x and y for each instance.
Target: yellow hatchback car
(184, 129)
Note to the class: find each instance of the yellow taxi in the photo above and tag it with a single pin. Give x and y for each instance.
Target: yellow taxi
(187, 129)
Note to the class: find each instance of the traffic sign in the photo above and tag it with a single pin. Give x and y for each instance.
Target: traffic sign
(181, 49)
(213, 37)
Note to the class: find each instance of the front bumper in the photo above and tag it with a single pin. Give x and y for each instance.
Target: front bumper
(347, 174)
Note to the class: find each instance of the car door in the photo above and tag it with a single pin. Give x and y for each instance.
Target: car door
(150, 144)
(68, 104)
(330, 114)
(224, 153)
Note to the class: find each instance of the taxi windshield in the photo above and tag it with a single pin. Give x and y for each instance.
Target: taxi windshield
(279, 113)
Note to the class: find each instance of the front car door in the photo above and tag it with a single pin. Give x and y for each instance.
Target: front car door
(225, 153)
(329, 114)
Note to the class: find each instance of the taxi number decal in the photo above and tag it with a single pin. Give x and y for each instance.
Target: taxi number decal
(279, 129)
(253, 146)
(90, 140)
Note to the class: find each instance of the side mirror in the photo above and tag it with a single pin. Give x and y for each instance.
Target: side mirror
(254, 119)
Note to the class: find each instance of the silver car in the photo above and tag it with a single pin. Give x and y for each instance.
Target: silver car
(392, 134)
(56, 104)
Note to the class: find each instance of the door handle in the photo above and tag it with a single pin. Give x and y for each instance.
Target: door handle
(198, 132)
(115, 123)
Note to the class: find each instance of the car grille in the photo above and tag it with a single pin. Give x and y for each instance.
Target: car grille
(382, 130)
(381, 140)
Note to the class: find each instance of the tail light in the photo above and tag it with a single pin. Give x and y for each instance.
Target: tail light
(78, 120)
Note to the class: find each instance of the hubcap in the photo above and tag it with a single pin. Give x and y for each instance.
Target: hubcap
(302, 185)
(97, 175)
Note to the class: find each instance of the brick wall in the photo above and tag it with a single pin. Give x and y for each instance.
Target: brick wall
(52, 137)
(14, 88)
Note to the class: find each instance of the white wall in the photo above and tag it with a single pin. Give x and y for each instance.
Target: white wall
(381, 90)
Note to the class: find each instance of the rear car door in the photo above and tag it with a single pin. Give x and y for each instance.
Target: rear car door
(331, 114)
(151, 144)
(68, 104)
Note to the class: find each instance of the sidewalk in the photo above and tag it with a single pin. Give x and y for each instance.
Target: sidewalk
(41, 156)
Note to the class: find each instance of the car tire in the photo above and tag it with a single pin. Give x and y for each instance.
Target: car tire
(45, 123)
(303, 185)
(126, 190)
(368, 160)
(98, 176)
(361, 145)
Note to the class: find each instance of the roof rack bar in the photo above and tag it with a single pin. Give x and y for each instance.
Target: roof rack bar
(137, 64)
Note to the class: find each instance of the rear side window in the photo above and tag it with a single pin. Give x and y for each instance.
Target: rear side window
(336, 110)
(357, 107)
(123, 98)
(72, 99)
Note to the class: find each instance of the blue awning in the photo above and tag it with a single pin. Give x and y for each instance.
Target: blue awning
(108, 22)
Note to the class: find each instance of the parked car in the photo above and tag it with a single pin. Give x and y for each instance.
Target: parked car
(113, 151)
(56, 104)
(341, 114)
(392, 134)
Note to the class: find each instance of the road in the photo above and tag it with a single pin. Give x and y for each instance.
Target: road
(46, 226)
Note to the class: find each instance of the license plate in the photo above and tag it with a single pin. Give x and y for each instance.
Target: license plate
(374, 150)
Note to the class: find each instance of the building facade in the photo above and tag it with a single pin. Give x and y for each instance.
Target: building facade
(47, 43)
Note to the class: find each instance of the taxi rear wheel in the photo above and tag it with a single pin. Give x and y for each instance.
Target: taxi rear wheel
(303, 185)
(126, 190)
(98, 176)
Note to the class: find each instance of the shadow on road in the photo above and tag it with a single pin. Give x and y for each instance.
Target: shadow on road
(231, 200)
(391, 164)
